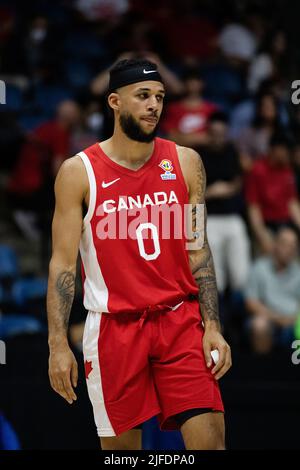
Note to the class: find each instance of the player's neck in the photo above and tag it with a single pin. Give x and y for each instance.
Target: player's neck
(120, 147)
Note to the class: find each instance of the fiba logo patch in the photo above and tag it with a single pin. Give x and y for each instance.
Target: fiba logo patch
(167, 166)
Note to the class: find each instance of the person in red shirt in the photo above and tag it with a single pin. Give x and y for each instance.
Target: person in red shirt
(186, 120)
(271, 193)
(30, 187)
(43, 152)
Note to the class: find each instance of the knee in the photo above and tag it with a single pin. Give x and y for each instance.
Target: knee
(261, 336)
(260, 325)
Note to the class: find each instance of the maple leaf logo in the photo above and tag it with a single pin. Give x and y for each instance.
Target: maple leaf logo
(88, 368)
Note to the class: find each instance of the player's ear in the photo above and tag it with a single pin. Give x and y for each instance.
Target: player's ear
(114, 101)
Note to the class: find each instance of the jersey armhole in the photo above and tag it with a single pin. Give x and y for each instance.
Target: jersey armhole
(92, 185)
(179, 169)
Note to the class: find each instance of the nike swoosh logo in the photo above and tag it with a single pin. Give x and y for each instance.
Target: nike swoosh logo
(105, 185)
(149, 71)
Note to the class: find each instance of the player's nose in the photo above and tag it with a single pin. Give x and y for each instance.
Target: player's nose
(152, 103)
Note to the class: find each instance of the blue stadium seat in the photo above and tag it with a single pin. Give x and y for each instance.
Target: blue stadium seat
(9, 267)
(223, 83)
(16, 324)
(8, 437)
(14, 99)
(81, 45)
(154, 439)
(78, 74)
(48, 97)
(24, 290)
(29, 122)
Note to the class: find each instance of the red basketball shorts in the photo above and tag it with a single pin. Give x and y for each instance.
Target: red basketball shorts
(140, 367)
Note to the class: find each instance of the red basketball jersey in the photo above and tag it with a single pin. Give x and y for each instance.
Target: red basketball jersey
(133, 245)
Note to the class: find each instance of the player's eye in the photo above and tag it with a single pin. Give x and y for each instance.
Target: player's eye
(159, 98)
(143, 96)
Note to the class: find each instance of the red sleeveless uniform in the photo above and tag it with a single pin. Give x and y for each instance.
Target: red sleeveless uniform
(142, 341)
(145, 269)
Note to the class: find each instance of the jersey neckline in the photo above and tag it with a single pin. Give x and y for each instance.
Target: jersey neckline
(127, 171)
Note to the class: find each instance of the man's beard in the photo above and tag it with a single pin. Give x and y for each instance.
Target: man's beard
(134, 131)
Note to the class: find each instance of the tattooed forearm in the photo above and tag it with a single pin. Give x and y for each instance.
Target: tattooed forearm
(65, 288)
(201, 260)
(204, 274)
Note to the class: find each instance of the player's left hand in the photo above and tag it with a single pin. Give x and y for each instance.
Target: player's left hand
(212, 339)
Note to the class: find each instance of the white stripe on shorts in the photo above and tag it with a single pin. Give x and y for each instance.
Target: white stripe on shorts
(94, 383)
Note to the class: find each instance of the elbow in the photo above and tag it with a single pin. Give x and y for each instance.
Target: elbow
(59, 265)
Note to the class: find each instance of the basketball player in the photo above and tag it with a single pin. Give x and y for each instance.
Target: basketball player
(152, 306)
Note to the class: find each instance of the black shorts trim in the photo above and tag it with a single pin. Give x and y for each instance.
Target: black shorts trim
(182, 417)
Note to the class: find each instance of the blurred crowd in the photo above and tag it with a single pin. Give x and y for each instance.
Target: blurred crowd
(228, 69)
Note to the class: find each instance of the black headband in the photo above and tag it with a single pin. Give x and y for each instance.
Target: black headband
(117, 79)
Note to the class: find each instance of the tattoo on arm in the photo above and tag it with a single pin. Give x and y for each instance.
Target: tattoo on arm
(202, 261)
(65, 289)
(205, 277)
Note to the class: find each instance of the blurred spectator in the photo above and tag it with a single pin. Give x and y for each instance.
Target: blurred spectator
(51, 142)
(273, 294)
(137, 33)
(190, 34)
(296, 164)
(106, 10)
(270, 61)
(237, 42)
(186, 120)
(253, 142)
(40, 45)
(224, 84)
(11, 43)
(243, 34)
(30, 189)
(260, 69)
(7, 22)
(91, 128)
(271, 193)
(225, 227)
(243, 114)
(11, 138)
(187, 30)
(295, 121)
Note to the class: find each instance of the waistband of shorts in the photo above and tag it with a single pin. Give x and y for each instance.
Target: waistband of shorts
(150, 309)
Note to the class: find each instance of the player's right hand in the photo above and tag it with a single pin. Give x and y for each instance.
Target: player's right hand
(63, 372)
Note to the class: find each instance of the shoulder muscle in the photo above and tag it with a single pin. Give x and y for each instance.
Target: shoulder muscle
(193, 172)
(71, 182)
